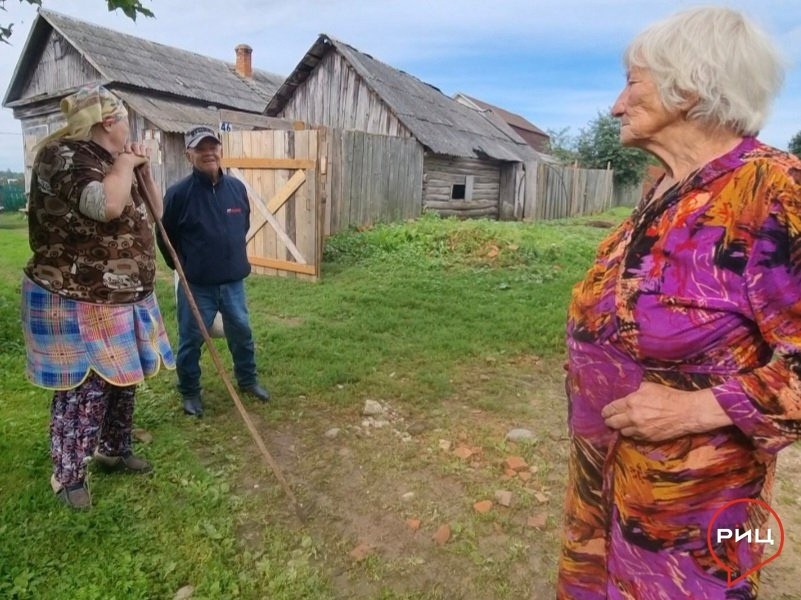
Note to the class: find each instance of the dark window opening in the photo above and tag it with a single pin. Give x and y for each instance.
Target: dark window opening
(457, 193)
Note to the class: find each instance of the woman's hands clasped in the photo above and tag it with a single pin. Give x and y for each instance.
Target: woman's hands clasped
(137, 154)
(656, 413)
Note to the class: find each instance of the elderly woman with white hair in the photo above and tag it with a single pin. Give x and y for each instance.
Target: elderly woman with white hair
(684, 338)
(92, 325)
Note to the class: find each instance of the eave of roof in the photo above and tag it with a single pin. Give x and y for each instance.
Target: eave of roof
(177, 116)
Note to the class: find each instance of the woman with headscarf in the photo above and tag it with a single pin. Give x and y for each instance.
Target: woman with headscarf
(92, 325)
(684, 338)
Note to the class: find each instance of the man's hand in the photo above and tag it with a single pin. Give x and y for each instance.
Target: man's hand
(655, 413)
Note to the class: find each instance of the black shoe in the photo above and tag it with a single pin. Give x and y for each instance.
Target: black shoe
(193, 405)
(257, 391)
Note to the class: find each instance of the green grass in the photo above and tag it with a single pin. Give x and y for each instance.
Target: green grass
(398, 308)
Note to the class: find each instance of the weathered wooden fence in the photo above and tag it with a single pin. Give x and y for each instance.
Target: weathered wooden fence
(305, 185)
(556, 191)
(370, 178)
(627, 195)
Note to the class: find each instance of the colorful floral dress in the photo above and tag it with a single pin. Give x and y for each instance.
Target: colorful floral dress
(697, 289)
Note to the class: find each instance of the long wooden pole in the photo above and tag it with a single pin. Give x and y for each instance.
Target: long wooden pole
(215, 356)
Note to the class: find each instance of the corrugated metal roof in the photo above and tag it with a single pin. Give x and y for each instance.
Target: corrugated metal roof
(176, 116)
(512, 118)
(133, 61)
(170, 115)
(439, 122)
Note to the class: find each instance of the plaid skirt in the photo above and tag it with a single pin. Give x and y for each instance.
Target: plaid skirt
(66, 339)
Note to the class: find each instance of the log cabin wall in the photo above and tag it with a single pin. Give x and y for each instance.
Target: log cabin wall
(479, 196)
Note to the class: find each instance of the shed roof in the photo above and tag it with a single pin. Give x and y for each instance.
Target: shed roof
(178, 116)
(132, 61)
(436, 120)
(511, 118)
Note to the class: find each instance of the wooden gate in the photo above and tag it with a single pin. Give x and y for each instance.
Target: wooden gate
(279, 170)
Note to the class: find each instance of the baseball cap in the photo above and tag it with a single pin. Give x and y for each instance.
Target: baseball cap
(200, 132)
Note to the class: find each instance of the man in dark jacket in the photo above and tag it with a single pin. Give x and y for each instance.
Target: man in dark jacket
(207, 217)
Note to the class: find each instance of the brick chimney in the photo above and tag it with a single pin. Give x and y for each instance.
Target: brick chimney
(243, 65)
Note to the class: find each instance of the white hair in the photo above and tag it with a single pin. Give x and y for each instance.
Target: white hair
(716, 58)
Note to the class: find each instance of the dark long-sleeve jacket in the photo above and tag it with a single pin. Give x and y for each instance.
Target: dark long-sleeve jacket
(207, 224)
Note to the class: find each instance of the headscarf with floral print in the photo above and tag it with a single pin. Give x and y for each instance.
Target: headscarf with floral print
(85, 108)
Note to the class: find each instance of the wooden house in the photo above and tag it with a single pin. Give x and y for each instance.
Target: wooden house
(166, 90)
(472, 161)
(536, 137)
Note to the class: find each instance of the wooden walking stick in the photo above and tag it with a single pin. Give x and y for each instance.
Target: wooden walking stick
(254, 433)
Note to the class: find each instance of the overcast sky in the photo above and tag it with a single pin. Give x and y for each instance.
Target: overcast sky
(555, 62)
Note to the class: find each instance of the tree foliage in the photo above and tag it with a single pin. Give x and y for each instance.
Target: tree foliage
(562, 145)
(795, 145)
(598, 147)
(9, 174)
(131, 9)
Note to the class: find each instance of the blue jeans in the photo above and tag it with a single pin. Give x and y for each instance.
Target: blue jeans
(229, 299)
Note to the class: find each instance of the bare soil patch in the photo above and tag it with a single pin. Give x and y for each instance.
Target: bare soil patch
(378, 490)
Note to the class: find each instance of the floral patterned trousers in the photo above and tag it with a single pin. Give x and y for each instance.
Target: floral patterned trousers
(96, 415)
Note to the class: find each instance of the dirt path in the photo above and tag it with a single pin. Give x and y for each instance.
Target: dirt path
(382, 488)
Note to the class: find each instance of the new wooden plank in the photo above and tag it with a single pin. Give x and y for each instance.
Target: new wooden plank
(297, 149)
(266, 149)
(258, 202)
(267, 163)
(285, 193)
(257, 220)
(316, 199)
(305, 210)
(253, 148)
(282, 265)
(283, 148)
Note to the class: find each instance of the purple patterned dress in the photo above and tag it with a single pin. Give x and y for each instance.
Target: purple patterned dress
(698, 289)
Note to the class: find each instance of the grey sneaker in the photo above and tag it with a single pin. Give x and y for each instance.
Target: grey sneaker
(75, 495)
(126, 462)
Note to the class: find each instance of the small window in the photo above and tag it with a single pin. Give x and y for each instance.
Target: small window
(457, 192)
